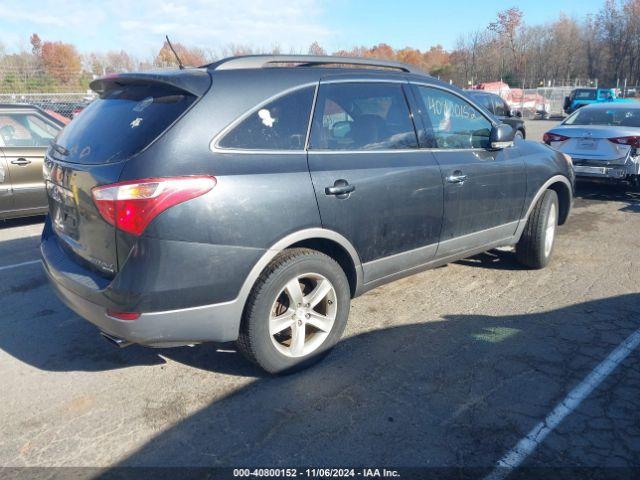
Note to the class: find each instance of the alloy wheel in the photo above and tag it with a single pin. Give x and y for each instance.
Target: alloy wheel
(550, 233)
(303, 315)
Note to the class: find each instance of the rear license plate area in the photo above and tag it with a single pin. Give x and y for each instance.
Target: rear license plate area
(587, 144)
(63, 210)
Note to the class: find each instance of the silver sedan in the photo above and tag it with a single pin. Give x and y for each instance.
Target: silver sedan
(603, 140)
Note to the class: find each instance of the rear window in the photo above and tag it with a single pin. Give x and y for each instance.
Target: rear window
(122, 122)
(619, 117)
(585, 95)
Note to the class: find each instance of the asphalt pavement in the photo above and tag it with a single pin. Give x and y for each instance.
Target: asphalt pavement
(450, 367)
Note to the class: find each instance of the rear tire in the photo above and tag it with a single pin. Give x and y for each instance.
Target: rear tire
(535, 247)
(296, 312)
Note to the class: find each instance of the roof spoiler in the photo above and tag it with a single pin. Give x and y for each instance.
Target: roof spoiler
(194, 81)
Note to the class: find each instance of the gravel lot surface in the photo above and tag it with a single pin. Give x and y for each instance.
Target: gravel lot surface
(449, 367)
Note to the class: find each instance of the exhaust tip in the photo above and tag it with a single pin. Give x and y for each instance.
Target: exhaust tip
(116, 341)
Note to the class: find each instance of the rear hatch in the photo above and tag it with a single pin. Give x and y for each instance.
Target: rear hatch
(130, 113)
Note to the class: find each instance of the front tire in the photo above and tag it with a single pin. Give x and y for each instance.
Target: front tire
(536, 244)
(296, 312)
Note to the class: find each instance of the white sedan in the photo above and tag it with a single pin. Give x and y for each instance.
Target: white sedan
(603, 140)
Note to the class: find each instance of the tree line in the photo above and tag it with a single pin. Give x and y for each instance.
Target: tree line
(602, 47)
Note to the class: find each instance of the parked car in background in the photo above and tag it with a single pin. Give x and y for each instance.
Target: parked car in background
(237, 202)
(603, 140)
(500, 109)
(581, 97)
(25, 134)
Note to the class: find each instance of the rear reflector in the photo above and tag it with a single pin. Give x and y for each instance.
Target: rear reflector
(553, 137)
(633, 142)
(123, 315)
(131, 206)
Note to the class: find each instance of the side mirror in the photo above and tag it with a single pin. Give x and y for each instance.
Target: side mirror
(516, 113)
(502, 136)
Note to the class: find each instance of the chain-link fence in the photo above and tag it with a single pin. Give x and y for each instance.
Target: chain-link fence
(542, 102)
(554, 98)
(62, 92)
(61, 105)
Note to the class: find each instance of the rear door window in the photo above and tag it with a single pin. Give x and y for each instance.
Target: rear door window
(122, 122)
(362, 116)
(279, 125)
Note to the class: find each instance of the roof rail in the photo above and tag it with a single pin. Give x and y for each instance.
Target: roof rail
(262, 61)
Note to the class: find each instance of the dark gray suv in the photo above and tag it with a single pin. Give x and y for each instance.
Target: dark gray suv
(250, 200)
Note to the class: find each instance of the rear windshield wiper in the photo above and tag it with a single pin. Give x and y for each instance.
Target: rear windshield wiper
(60, 149)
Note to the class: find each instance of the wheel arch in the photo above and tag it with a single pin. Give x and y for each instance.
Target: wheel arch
(336, 251)
(563, 188)
(326, 241)
(565, 196)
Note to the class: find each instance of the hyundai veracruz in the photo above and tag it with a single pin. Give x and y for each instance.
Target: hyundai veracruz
(250, 200)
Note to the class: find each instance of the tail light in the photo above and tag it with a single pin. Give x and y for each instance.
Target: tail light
(131, 206)
(633, 142)
(553, 137)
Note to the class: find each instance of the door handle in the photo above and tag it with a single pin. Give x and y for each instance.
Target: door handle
(456, 177)
(21, 161)
(341, 189)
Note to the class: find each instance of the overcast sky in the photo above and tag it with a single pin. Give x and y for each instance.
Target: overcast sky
(138, 26)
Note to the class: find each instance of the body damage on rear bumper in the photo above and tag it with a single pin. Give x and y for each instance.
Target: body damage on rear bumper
(615, 169)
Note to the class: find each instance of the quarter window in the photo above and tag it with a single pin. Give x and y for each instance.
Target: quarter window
(362, 116)
(451, 122)
(279, 125)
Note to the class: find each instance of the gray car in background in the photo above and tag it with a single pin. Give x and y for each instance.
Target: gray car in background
(251, 199)
(603, 140)
(498, 106)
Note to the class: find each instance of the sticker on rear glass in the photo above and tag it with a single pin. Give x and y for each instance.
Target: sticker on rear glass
(265, 116)
(142, 105)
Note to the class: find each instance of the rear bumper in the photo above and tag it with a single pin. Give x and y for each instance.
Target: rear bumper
(614, 173)
(90, 296)
(611, 172)
(217, 323)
